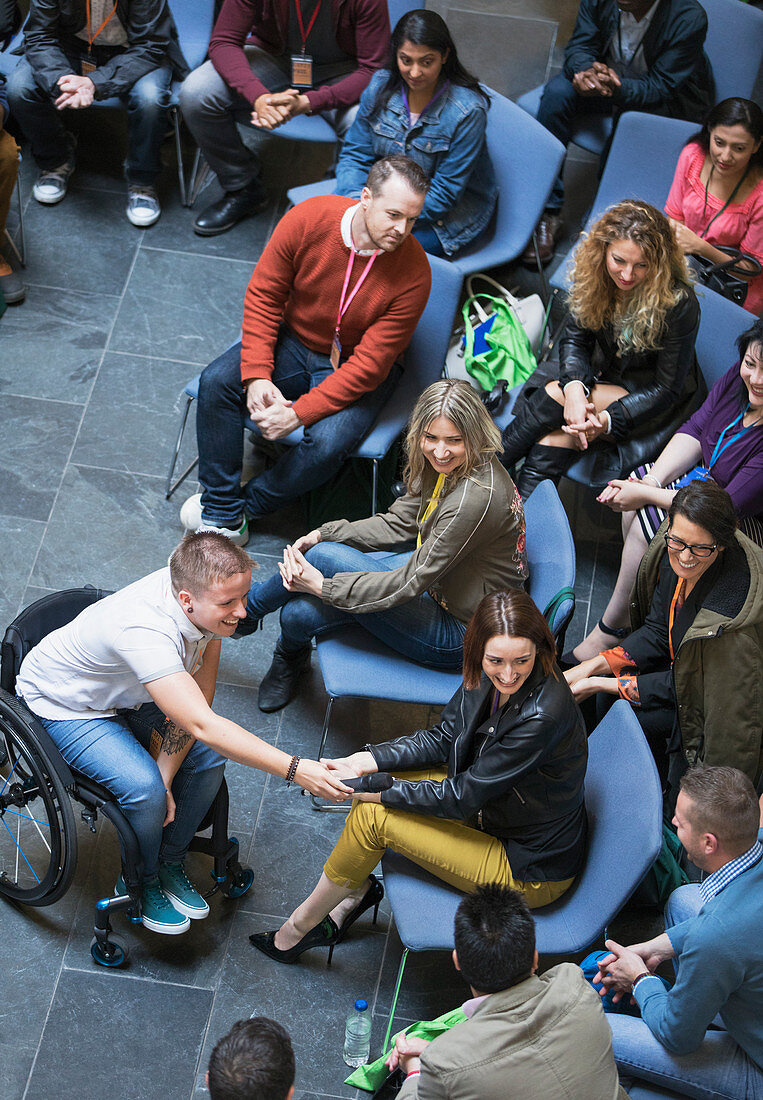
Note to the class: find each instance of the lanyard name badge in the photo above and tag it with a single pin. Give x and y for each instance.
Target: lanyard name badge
(302, 63)
(701, 473)
(88, 66)
(344, 304)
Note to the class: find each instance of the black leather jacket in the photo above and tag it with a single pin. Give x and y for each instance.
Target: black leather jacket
(151, 39)
(517, 774)
(663, 385)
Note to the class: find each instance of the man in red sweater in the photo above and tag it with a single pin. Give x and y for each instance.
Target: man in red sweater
(270, 60)
(330, 307)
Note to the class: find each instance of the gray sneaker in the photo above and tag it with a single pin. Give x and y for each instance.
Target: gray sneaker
(52, 183)
(143, 207)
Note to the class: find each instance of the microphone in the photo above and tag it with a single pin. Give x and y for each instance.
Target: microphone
(370, 784)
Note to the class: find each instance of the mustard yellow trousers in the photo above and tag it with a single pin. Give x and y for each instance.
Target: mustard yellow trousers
(460, 855)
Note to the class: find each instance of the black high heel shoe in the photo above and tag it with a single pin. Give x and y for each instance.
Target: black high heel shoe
(373, 896)
(325, 934)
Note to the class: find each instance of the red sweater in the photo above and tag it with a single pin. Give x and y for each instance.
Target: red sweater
(299, 279)
(362, 31)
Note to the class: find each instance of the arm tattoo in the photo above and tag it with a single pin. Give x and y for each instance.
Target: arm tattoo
(175, 740)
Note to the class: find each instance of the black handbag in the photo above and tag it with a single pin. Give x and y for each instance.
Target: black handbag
(725, 277)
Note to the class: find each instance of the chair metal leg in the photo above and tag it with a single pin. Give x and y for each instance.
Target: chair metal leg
(169, 488)
(400, 972)
(541, 270)
(328, 807)
(374, 485)
(201, 177)
(179, 154)
(18, 250)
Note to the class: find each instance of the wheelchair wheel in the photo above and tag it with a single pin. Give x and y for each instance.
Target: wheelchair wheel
(38, 838)
(114, 953)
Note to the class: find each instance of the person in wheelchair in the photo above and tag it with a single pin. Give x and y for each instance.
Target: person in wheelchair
(125, 691)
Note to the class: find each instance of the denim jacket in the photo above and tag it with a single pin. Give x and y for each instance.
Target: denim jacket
(447, 141)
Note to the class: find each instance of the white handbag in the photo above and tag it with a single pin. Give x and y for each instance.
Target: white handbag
(530, 312)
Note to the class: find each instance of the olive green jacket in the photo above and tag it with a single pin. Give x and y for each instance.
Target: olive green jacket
(473, 543)
(546, 1038)
(718, 669)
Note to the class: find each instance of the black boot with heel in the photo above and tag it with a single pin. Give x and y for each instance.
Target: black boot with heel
(536, 417)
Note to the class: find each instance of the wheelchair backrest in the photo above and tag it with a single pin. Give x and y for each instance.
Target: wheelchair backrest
(32, 624)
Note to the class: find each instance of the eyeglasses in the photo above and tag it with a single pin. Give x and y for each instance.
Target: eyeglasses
(673, 543)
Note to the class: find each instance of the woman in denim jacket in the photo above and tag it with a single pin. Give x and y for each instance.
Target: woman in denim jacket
(428, 107)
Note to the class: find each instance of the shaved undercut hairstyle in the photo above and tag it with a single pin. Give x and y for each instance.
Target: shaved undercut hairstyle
(204, 557)
(408, 169)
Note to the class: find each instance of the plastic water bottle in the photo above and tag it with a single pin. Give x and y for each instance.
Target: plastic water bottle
(357, 1036)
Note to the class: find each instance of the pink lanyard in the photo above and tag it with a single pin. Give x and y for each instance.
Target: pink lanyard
(345, 305)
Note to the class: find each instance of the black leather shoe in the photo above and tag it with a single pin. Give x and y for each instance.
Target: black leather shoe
(373, 896)
(232, 208)
(325, 934)
(278, 683)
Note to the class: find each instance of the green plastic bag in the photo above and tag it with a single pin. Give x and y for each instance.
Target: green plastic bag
(498, 349)
(373, 1075)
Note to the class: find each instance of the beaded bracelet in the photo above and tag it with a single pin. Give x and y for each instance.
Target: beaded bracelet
(293, 765)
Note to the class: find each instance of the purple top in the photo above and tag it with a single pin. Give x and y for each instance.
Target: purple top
(739, 468)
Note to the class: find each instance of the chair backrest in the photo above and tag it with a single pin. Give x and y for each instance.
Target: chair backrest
(720, 323)
(526, 159)
(32, 624)
(734, 46)
(194, 20)
(642, 160)
(398, 8)
(424, 360)
(550, 551)
(624, 805)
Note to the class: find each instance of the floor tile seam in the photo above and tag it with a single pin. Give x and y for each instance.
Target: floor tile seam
(73, 290)
(85, 407)
(160, 358)
(42, 1030)
(125, 976)
(116, 470)
(39, 397)
(195, 255)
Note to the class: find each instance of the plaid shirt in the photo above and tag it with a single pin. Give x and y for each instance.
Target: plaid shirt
(720, 879)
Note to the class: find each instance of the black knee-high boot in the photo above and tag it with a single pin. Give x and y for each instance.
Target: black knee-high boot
(543, 463)
(537, 416)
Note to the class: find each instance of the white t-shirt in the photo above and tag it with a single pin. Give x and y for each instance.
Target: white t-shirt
(100, 661)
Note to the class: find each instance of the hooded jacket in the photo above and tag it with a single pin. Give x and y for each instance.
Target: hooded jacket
(517, 774)
(717, 674)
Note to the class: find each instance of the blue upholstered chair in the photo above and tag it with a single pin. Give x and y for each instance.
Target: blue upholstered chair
(423, 363)
(356, 665)
(524, 184)
(624, 806)
(733, 45)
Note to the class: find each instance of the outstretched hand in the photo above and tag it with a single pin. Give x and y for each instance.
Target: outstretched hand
(318, 780)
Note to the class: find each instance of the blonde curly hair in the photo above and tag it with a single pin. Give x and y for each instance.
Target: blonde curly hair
(639, 319)
(458, 402)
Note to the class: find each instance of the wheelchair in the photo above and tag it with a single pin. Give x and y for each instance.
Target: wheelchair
(38, 836)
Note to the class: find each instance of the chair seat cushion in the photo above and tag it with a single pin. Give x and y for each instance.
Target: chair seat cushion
(390, 676)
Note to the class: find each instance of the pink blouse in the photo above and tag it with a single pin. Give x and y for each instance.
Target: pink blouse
(739, 226)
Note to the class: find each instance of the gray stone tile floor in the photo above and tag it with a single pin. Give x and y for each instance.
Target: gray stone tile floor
(92, 368)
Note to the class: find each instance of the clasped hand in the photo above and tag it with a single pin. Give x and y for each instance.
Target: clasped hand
(624, 495)
(406, 1053)
(348, 767)
(298, 575)
(272, 109)
(270, 410)
(599, 80)
(580, 420)
(76, 92)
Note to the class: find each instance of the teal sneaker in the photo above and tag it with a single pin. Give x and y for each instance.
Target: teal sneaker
(159, 914)
(181, 891)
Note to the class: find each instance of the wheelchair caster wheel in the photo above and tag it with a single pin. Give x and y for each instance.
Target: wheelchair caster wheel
(118, 954)
(238, 882)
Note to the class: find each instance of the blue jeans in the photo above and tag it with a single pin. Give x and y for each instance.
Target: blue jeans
(559, 105)
(147, 104)
(212, 109)
(718, 1070)
(222, 415)
(420, 629)
(113, 751)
